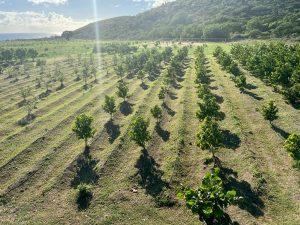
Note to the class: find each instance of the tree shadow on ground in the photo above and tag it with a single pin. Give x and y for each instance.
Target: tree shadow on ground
(172, 96)
(251, 201)
(26, 120)
(149, 175)
(144, 86)
(214, 87)
(21, 103)
(250, 86)
(85, 172)
(253, 95)
(44, 94)
(278, 130)
(126, 108)
(60, 87)
(231, 140)
(169, 110)
(112, 130)
(221, 116)
(179, 79)
(225, 220)
(219, 99)
(177, 86)
(164, 134)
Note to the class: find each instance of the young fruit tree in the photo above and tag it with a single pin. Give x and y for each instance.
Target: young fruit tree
(83, 128)
(240, 82)
(270, 111)
(210, 136)
(25, 92)
(85, 74)
(94, 73)
(162, 93)
(138, 131)
(210, 199)
(141, 76)
(30, 106)
(123, 90)
(119, 70)
(109, 105)
(208, 108)
(156, 113)
(292, 146)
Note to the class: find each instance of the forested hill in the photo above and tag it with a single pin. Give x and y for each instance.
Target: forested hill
(204, 18)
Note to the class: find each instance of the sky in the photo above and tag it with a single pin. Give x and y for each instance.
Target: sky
(56, 16)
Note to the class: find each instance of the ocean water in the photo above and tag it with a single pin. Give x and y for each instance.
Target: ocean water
(18, 36)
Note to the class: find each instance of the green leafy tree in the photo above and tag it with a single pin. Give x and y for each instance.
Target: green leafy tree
(270, 111)
(85, 73)
(208, 108)
(156, 113)
(141, 75)
(241, 82)
(119, 70)
(20, 53)
(59, 76)
(162, 93)
(210, 199)
(210, 136)
(109, 105)
(203, 89)
(94, 72)
(25, 92)
(292, 146)
(30, 106)
(83, 128)
(123, 90)
(32, 53)
(138, 131)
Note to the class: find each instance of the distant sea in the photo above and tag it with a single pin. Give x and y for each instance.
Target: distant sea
(18, 36)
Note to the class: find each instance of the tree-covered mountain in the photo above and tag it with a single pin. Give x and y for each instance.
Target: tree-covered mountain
(204, 19)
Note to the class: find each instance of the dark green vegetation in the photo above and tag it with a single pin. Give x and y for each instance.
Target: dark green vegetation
(276, 63)
(209, 200)
(147, 136)
(218, 19)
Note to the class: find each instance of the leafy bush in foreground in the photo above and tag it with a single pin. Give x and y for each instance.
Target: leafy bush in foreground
(209, 199)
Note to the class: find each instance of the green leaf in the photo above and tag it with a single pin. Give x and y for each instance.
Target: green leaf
(207, 210)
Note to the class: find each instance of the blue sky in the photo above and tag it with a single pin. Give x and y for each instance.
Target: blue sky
(55, 16)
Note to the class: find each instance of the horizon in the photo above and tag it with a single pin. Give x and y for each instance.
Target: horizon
(55, 16)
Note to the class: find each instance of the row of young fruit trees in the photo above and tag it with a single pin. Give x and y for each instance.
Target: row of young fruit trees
(210, 198)
(139, 127)
(289, 81)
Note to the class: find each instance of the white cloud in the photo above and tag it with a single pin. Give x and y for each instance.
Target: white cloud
(56, 2)
(34, 22)
(155, 3)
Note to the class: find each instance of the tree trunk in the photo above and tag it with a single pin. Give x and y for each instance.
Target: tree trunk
(85, 141)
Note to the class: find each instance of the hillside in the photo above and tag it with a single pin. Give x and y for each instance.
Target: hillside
(204, 19)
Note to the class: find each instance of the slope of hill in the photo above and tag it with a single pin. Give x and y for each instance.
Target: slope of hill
(204, 19)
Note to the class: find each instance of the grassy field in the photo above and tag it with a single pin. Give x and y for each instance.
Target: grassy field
(41, 163)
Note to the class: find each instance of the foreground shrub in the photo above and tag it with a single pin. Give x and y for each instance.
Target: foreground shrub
(209, 199)
(84, 195)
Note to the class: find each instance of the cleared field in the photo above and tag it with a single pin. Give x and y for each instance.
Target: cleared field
(42, 163)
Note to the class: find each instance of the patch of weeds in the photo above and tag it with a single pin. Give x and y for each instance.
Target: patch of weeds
(84, 195)
(165, 199)
(3, 200)
(261, 183)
